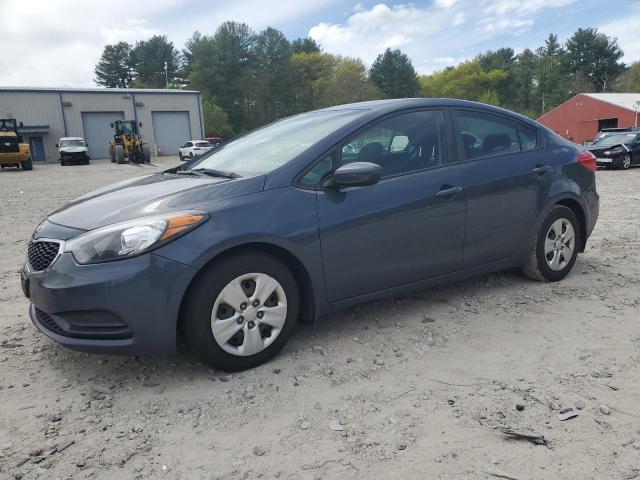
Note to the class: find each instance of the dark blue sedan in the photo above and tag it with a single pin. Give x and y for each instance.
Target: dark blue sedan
(304, 217)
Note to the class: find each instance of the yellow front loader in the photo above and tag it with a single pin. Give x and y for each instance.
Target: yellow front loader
(13, 153)
(127, 145)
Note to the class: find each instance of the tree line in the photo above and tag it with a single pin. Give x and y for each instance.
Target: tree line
(251, 78)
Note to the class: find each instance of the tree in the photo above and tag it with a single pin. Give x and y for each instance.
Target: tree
(552, 75)
(308, 68)
(222, 66)
(346, 82)
(115, 67)
(629, 81)
(595, 56)
(525, 81)
(149, 57)
(216, 121)
(305, 45)
(467, 81)
(273, 77)
(393, 73)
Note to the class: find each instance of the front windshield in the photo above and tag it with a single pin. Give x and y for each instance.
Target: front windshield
(616, 139)
(125, 127)
(270, 147)
(72, 143)
(7, 125)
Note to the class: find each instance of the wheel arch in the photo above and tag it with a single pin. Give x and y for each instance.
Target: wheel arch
(297, 267)
(578, 209)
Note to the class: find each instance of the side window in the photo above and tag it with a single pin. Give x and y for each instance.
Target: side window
(320, 169)
(403, 143)
(486, 135)
(528, 138)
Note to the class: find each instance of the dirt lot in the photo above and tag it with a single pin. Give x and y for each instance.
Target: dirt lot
(413, 388)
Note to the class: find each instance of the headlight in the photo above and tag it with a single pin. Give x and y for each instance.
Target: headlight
(614, 151)
(132, 237)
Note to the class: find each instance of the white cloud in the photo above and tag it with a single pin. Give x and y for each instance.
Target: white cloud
(58, 43)
(626, 29)
(430, 35)
(445, 3)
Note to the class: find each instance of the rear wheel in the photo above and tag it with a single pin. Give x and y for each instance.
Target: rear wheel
(146, 154)
(241, 311)
(556, 246)
(119, 153)
(27, 164)
(112, 154)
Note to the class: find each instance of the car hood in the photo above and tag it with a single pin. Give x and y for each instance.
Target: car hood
(600, 150)
(73, 149)
(150, 195)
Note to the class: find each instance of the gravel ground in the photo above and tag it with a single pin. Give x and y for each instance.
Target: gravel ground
(412, 388)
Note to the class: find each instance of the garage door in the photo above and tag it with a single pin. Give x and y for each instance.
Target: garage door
(98, 132)
(171, 130)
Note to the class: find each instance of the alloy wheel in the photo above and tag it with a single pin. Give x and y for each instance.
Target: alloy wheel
(559, 244)
(249, 314)
(626, 161)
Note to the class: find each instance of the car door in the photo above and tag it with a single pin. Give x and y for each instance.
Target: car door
(507, 179)
(635, 151)
(186, 149)
(407, 227)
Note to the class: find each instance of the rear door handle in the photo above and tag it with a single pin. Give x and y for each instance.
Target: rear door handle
(541, 169)
(447, 191)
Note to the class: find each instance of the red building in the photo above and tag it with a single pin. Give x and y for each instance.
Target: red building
(580, 118)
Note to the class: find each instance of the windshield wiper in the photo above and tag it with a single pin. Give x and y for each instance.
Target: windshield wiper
(214, 173)
(205, 172)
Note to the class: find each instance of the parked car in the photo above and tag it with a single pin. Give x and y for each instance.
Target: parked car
(607, 131)
(215, 141)
(617, 150)
(284, 223)
(193, 148)
(72, 150)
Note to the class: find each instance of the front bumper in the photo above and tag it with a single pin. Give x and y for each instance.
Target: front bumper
(123, 307)
(608, 161)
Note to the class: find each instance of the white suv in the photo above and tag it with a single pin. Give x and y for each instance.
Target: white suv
(73, 150)
(193, 148)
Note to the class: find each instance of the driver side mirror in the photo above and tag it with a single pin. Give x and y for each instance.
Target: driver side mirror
(356, 174)
(140, 124)
(111, 124)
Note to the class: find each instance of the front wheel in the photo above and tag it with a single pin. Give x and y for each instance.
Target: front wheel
(241, 311)
(27, 164)
(626, 162)
(146, 154)
(118, 151)
(556, 246)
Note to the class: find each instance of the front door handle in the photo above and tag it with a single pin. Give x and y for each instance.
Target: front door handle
(448, 191)
(541, 169)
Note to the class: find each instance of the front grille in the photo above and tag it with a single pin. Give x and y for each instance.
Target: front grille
(48, 321)
(42, 254)
(9, 144)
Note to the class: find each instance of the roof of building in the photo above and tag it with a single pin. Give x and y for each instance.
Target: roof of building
(96, 90)
(630, 101)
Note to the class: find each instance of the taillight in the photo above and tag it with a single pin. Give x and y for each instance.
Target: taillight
(587, 160)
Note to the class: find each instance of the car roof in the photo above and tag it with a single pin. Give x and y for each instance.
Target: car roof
(390, 105)
(71, 138)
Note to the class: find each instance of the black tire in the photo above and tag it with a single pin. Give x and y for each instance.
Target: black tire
(112, 154)
(63, 163)
(180, 156)
(536, 267)
(626, 161)
(118, 151)
(146, 154)
(27, 164)
(196, 315)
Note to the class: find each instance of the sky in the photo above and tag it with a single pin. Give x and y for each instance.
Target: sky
(57, 43)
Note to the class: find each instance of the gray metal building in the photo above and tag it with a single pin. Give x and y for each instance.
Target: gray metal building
(169, 117)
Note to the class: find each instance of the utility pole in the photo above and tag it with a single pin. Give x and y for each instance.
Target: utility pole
(166, 75)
